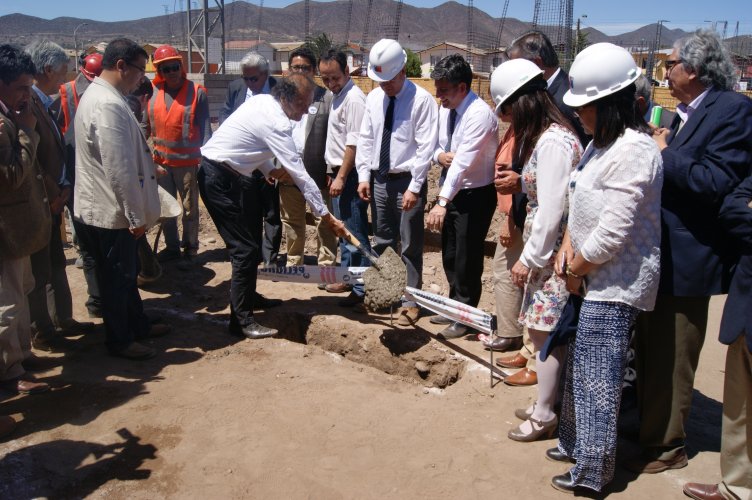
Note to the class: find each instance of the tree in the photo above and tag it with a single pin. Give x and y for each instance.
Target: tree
(321, 44)
(413, 66)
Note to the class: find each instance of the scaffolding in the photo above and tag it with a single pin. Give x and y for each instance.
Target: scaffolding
(554, 18)
(202, 27)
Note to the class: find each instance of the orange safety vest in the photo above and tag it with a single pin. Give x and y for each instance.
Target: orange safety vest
(176, 137)
(68, 103)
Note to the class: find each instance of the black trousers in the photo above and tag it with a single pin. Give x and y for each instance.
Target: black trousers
(50, 301)
(235, 205)
(272, 221)
(115, 252)
(466, 224)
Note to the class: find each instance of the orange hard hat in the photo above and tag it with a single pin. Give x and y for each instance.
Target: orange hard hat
(92, 65)
(166, 53)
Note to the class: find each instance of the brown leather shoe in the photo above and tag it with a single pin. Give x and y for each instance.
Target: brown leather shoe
(516, 361)
(338, 287)
(700, 491)
(31, 386)
(643, 465)
(522, 377)
(408, 316)
(7, 424)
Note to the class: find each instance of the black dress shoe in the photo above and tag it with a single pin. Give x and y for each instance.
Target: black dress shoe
(261, 302)
(555, 455)
(565, 483)
(454, 331)
(503, 344)
(439, 320)
(256, 331)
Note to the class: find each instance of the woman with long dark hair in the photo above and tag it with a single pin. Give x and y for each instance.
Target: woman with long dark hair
(610, 256)
(547, 150)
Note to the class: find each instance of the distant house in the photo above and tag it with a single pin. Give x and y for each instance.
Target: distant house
(236, 49)
(281, 55)
(479, 58)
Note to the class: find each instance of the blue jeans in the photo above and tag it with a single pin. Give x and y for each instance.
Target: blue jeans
(115, 252)
(350, 209)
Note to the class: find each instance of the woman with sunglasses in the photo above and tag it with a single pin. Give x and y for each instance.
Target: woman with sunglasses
(612, 245)
(546, 150)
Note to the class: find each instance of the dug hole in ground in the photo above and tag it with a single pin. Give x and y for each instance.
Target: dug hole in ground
(340, 405)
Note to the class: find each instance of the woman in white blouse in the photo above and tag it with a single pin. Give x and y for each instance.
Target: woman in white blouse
(610, 256)
(547, 149)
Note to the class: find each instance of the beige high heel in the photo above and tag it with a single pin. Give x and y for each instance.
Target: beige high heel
(545, 430)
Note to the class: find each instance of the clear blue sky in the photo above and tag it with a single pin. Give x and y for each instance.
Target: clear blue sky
(611, 17)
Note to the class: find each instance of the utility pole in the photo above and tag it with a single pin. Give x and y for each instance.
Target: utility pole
(656, 47)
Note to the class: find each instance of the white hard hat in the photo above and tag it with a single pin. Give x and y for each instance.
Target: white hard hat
(509, 77)
(386, 60)
(599, 70)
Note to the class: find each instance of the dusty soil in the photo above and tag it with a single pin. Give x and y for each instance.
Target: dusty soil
(341, 405)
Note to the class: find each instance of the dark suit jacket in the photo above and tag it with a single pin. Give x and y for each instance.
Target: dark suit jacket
(702, 164)
(51, 150)
(236, 96)
(315, 142)
(736, 217)
(24, 210)
(558, 88)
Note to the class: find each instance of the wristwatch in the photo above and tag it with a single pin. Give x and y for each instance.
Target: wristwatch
(441, 202)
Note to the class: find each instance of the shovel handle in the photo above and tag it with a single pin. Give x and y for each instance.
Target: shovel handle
(363, 250)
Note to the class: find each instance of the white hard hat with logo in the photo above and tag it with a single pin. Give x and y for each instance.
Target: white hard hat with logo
(598, 71)
(509, 77)
(386, 60)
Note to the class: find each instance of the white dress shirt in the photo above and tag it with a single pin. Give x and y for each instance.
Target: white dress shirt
(256, 132)
(345, 119)
(414, 134)
(615, 220)
(474, 142)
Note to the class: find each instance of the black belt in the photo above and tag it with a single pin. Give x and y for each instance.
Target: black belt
(391, 177)
(222, 166)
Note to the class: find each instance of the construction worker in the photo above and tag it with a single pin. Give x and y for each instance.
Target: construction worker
(178, 124)
(65, 107)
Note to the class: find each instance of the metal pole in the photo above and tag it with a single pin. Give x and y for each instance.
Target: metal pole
(206, 36)
(188, 35)
(222, 60)
(75, 42)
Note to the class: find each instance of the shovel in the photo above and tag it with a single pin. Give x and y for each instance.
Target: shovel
(385, 281)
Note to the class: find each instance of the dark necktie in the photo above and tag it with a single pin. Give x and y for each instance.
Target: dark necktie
(452, 121)
(386, 139)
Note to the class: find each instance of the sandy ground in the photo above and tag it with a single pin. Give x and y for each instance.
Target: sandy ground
(334, 408)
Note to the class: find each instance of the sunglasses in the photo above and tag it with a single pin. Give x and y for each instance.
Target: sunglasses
(670, 63)
(251, 79)
(302, 67)
(170, 68)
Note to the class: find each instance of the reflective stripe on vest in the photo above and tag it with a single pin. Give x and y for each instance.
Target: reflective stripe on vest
(68, 103)
(175, 135)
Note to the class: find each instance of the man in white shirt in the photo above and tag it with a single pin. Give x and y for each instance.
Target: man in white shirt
(468, 134)
(345, 117)
(396, 144)
(260, 130)
(116, 197)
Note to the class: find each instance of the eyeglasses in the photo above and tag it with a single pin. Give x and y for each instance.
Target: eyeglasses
(171, 68)
(302, 67)
(251, 79)
(142, 69)
(670, 63)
